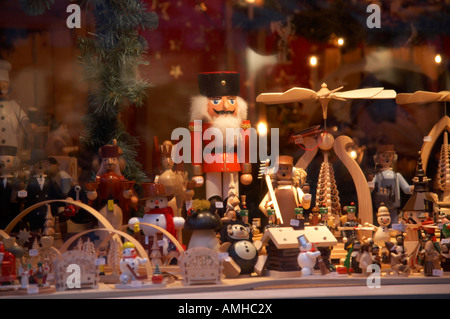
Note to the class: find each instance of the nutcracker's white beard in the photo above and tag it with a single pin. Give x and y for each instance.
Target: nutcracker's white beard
(199, 111)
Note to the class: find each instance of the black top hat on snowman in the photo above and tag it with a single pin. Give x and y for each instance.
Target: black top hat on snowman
(214, 84)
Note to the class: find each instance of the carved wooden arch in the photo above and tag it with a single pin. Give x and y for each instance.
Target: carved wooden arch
(365, 210)
(139, 248)
(162, 230)
(441, 126)
(89, 209)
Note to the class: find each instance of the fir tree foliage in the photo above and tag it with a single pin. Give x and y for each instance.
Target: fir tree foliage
(111, 58)
(36, 7)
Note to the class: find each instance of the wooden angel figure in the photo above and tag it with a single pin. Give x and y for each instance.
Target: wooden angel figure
(288, 192)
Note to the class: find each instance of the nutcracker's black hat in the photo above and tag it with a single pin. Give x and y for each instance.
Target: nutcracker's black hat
(215, 84)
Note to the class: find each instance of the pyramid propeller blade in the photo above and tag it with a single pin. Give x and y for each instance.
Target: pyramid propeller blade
(419, 97)
(359, 94)
(292, 95)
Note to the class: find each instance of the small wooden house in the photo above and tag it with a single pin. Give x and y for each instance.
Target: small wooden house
(282, 248)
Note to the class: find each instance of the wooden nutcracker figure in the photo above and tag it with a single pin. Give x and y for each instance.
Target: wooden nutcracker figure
(219, 107)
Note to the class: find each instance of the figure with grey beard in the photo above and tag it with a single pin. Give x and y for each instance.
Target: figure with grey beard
(217, 109)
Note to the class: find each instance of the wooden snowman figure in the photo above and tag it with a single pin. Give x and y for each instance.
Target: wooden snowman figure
(308, 256)
(129, 264)
(158, 213)
(216, 109)
(382, 232)
(12, 117)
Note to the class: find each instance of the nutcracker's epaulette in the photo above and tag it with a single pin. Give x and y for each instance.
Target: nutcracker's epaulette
(192, 127)
(246, 124)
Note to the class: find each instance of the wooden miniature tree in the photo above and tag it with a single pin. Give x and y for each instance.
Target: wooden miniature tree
(444, 170)
(79, 245)
(114, 256)
(327, 192)
(49, 224)
(89, 247)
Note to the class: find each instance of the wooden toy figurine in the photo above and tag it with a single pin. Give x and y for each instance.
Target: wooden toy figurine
(219, 107)
(397, 260)
(129, 264)
(8, 186)
(115, 195)
(308, 256)
(13, 118)
(382, 232)
(445, 256)
(40, 188)
(159, 213)
(239, 246)
(430, 256)
(287, 191)
(204, 226)
(387, 183)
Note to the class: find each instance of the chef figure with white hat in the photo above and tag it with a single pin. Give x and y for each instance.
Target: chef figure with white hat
(12, 117)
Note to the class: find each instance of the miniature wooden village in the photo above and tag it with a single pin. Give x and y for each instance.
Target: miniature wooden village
(333, 240)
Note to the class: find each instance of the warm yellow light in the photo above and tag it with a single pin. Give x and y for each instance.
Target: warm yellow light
(262, 128)
(340, 42)
(313, 61)
(353, 154)
(438, 58)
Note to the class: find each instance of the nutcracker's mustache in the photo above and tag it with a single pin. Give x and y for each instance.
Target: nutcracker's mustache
(224, 112)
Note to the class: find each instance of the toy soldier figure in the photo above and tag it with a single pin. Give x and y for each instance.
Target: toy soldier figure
(218, 106)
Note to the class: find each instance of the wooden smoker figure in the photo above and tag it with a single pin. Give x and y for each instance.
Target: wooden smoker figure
(387, 183)
(219, 107)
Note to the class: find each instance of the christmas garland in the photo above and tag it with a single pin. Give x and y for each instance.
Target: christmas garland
(111, 58)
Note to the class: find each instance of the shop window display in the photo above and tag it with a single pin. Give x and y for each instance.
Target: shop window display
(324, 84)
